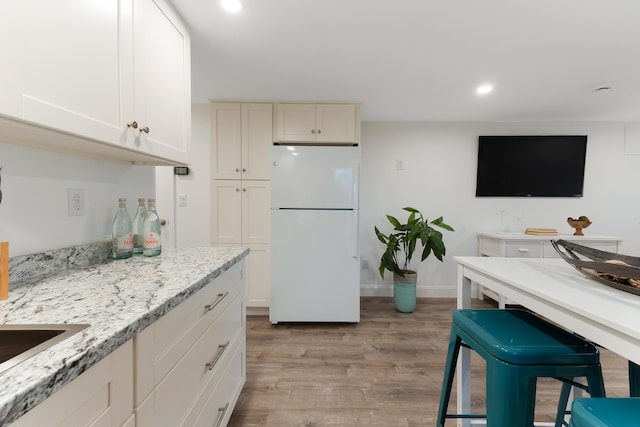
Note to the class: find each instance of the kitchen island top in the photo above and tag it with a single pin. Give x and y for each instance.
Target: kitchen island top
(117, 299)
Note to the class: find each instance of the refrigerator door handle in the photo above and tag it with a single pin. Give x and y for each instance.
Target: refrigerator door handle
(354, 234)
(356, 185)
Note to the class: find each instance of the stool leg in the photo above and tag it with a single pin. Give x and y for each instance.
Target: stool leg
(634, 380)
(510, 395)
(562, 403)
(595, 382)
(449, 372)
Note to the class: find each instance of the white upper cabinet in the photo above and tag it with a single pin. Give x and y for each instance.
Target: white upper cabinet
(88, 69)
(318, 123)
(71, 61)
(241, 140)
(11, 53)
(161, 85)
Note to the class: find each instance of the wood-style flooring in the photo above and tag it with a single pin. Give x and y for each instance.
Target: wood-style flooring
(385, 371)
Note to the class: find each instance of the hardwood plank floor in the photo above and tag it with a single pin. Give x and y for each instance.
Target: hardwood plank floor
(385, 371)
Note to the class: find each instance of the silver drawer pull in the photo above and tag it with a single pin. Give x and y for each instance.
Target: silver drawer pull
(523, 250)
(221, 412)
(211, 306)
(221, 349)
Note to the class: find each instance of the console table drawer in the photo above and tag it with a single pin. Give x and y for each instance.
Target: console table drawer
(522, 249)
(612, 246)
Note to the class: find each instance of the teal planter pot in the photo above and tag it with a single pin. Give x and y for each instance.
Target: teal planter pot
(404, 291)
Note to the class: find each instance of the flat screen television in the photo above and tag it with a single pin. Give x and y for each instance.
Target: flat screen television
(531, 166)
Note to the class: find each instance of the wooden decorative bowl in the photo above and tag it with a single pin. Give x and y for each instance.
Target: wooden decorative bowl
(615, 270)
(578, 225)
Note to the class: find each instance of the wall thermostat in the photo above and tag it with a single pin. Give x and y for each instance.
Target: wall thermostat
(181, 170)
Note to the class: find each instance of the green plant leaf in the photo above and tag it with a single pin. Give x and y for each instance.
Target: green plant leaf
(381, 236)
(440, 223)
(393, 221)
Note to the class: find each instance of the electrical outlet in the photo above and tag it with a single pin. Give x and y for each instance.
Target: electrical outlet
(75, 200)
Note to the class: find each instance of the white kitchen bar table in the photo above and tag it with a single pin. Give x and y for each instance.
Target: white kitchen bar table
(557, 291)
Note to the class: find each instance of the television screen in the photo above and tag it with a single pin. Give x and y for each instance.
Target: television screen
(531, 166)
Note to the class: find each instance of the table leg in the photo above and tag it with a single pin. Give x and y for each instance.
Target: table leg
(463, 370)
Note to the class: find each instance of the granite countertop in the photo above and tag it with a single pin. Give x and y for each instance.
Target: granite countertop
(117, 298)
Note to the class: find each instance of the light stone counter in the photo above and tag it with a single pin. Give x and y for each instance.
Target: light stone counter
(117, 298)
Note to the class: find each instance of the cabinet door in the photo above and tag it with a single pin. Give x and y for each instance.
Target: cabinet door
(258, 276)
(256, 213)
(226, 212)
(101, 396)
(11, 52)
(336, 123)
(257, 135)
(71, 60)
(226, 136)
(161, 81)
(296, 122)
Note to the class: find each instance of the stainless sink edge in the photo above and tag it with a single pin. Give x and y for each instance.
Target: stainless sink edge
(69, 330)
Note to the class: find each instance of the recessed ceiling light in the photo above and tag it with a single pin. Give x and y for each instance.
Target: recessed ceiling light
(484, 89)
(233, 6)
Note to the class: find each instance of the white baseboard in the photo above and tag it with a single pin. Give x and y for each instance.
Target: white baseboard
(378, 290)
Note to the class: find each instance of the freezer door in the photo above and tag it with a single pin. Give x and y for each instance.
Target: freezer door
(315, 274)
(315, 177)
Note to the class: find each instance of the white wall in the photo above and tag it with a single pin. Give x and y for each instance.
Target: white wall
(439, 179)
(34, 215)
(193, 225)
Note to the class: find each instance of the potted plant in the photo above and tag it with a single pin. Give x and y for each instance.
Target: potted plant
(405, 238)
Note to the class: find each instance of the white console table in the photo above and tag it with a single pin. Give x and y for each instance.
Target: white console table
(520, 245)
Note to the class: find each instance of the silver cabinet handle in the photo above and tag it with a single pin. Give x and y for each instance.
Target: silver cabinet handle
(237, 170)
(244, 169)
(319, 131)
(144, 129)
(237, 189)
(219, 298)
(221, 412)
(221, 349)
(523, 250)
(244, 188)
(133, 124)
(313, 131)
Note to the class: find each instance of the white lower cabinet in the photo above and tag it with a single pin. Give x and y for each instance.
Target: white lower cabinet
(101, 396)
(190, 364)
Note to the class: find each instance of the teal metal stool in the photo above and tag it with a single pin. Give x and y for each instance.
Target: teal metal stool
(609, 412)
(518, 347)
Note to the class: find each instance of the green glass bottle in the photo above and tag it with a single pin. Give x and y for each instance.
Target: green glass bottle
(138, 221)
(122, 235)
(151, 231)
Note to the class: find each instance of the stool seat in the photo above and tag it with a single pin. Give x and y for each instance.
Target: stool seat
(521, 338)
(518, 348)
(605, 412)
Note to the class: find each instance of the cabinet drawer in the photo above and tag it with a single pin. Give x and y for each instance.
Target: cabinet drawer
(217, 400)
(523, 249)
(490, 247)
(162, 345)
(204, 362)
(609, 246)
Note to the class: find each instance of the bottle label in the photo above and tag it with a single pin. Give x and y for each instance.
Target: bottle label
(151, 241)
(124, 243)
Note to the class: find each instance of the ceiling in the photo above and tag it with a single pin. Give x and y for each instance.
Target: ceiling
(421, 60)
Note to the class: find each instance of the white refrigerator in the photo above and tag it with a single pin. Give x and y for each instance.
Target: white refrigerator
(315, 275)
